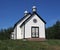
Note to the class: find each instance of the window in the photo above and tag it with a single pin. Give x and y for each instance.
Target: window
(35, 32)
(34, 20)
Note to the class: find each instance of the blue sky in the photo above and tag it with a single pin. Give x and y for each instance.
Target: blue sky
(13, 10)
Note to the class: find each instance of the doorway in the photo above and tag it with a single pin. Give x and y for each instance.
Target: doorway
(35, 32)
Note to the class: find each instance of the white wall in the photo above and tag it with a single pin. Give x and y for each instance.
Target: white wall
(15, 32)
(39, 24)
(20, 32)
(17, 29)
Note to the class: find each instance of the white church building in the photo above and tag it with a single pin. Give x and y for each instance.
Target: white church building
(30, 27)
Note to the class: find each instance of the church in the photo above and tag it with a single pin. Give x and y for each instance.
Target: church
(30, 27)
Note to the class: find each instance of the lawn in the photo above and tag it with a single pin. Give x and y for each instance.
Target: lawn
(29, 45)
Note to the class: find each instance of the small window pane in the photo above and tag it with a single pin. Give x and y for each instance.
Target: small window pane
(36, 29)
(33, 35)
(36, 35)
(33, 30)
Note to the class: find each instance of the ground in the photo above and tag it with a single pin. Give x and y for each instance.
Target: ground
(29, 45)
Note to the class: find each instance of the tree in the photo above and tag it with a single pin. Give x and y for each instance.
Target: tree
(54, 31)
(5, 33)
(57, 30)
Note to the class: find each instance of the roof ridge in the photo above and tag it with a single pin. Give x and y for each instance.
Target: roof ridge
(21, 19)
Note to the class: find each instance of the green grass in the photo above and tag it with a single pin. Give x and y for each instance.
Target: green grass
(29, 45)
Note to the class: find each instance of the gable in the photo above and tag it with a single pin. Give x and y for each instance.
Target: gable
(32, 15)
(22, 19)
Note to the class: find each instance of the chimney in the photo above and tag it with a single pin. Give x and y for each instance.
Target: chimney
(25, 13)
(34, 8)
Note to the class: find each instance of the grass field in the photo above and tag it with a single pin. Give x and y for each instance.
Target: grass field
(29, 45)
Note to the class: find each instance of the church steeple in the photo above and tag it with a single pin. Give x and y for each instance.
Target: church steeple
(34, 8)
(25, 13)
